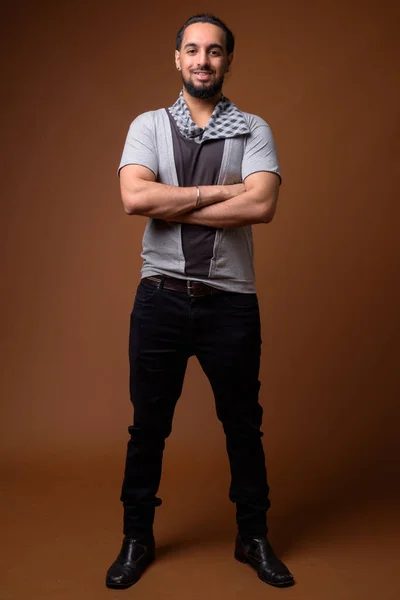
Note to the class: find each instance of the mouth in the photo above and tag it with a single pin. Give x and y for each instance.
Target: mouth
(202, 75)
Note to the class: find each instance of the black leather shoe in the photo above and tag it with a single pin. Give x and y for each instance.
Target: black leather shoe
(134, 557)
(258, 553)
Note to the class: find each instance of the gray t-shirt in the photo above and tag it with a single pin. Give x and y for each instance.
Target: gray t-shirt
(152, 142)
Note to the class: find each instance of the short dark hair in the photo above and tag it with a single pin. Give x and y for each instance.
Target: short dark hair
(206, 18)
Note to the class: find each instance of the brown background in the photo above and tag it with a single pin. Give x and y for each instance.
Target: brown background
(325, 77)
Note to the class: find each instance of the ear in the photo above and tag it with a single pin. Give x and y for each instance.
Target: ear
(178, 60)
(229, 61)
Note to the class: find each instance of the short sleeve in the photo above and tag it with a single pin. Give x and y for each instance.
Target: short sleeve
(260, 152)
(139, 146)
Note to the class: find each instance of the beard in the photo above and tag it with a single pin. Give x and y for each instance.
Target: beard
(202, 91)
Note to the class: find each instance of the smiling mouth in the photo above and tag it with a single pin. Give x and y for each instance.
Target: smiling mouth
(202, 75)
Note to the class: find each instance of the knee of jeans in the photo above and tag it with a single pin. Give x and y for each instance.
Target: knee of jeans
(240, 418)
(242, 429)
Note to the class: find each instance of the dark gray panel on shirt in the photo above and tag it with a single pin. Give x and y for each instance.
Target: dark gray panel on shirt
(196, 164)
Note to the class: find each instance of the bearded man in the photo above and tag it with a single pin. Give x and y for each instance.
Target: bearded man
(203, 172)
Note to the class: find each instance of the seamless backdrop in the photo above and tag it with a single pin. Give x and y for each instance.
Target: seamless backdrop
(324, 75)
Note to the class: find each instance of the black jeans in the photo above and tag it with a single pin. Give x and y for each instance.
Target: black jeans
(223, 332)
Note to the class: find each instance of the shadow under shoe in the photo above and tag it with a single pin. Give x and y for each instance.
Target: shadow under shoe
(134, 558)
(258, 552)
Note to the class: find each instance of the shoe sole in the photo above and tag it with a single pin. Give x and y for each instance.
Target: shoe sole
(124, 586)
(244, 560)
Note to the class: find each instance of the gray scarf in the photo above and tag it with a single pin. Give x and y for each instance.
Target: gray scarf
(226, 121)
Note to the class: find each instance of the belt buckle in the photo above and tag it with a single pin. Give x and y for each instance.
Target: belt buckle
(189, 288)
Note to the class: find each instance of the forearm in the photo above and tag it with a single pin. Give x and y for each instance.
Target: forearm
(245, 209)
(160, 201)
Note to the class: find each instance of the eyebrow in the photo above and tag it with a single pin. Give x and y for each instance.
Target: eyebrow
(193, 45)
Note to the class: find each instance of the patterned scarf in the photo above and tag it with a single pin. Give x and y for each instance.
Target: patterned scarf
(226, 121)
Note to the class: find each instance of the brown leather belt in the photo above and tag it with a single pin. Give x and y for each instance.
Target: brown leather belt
(187, 286)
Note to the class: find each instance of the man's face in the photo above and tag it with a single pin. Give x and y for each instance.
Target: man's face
(202, 60)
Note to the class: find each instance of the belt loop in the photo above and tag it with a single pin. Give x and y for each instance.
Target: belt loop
(161, 283)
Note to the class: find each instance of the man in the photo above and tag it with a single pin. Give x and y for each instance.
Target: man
(203, 172)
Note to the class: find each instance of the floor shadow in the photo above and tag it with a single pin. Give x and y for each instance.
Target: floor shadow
(324, 512)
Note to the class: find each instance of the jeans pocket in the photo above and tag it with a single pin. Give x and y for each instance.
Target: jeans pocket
(145, 292)
(240, 301)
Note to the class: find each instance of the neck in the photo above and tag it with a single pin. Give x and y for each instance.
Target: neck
(201, 109)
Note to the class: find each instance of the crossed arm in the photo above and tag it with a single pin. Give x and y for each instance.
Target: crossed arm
(248, 203)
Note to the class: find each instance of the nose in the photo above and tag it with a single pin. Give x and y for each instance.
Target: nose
(203, 58)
